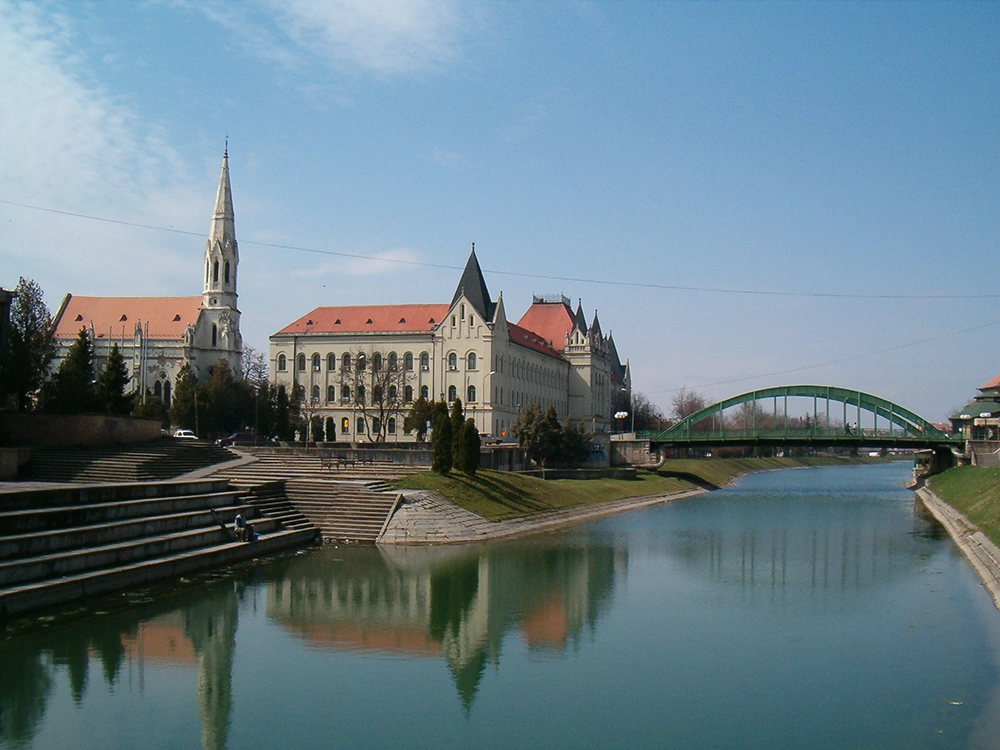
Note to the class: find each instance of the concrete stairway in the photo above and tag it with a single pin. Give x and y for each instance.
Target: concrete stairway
(269, 467)
(134, 462)
(67, 543)
(343, 511)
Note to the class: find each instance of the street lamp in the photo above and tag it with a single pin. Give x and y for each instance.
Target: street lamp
(620, 415)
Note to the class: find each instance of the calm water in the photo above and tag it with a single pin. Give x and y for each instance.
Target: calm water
(798, 609)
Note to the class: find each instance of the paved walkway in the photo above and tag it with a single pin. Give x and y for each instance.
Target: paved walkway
(427, 518)
(981, 552)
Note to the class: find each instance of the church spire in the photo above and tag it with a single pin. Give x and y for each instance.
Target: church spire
(221, 250)
(473, 286)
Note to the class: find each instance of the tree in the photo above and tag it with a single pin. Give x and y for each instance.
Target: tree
(153, 408)
(217, 401)
(24, 366)
(470, 438)
(183, 407)
(71, 389)
(547, 442)
(441, 425)
(316, 433)
(457, 441)
(111, 384)
(331, 430)
(576, 443)
(419, 417)
(687, 402)
(378, 391)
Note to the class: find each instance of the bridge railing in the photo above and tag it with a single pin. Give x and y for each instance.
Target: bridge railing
(852, 436)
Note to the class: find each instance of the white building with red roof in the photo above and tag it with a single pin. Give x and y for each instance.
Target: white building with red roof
(363, 366)
(159, 335)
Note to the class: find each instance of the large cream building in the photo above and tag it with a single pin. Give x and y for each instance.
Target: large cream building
(159, 335)
(363, 366)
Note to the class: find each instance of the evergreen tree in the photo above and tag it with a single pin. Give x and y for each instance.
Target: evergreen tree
(457, 443)
(183, 407)
(217, 401)
(331, 430)
(421, 412)
(441, 425)
(25, 364)
(470, 437)
(111, 384)
(550, 440)
(281, 414)
(154, 408)
(71, 389)
(316, 429)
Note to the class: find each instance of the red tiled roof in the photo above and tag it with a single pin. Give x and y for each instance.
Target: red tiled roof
(551, 321)
(369, 319)
(168, 317)
(531, 340)
(995, 383)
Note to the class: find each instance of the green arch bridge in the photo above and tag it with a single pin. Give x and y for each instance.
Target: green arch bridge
(864, 421)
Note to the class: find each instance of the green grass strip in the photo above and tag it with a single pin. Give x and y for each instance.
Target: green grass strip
(974, 491)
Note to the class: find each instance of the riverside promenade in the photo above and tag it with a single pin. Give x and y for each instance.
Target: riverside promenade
(426, 518)
(975, 545)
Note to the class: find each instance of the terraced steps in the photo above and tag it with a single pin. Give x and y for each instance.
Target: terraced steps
(342, 511)
(270, 467)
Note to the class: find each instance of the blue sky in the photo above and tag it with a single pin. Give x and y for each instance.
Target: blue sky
(777, 150)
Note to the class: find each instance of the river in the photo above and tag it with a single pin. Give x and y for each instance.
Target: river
(806, 608)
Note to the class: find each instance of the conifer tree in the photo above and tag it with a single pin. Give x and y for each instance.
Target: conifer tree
(182, 408)
(25, 364)
(457, 442)
(71, 389)
(441, 425)
(111, 384)
(470, 436)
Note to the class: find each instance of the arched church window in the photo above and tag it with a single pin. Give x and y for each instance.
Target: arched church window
(215, 335)
(302, 362)
(452, 393)
(282, 363)
(207, 269)
(158, 390)
(215, 272)
(227, 271)
(166, 393)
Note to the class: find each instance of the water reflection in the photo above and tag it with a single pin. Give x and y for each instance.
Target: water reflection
(456, 604)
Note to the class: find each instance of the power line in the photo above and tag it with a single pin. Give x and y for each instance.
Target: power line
(833, 361)
(525, 275)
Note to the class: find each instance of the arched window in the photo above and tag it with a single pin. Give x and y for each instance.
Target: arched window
(424, 392)
(425, 361)
(453, 361)
(393, 362)
(302, 362)
(391, 425)
(470, 394)
(331, 362)
(361, 425)
(472, 360)
(377, 362)
(215, 272)
(408, 393)
(345, 393)
(377, 394)
(376, 425)
(315, 393)
(227, 272)
(361, 394)
(206, 271)
(345, 362)
(282, 363)
(158, 390)
(392, 393)
(317, 362)
(362, 362)
(345, 425)
(408, 362)
(452, 393)
(166, 393)
(215, 335)
(331, 393)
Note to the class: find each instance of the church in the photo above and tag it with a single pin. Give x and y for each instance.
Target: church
(157, 336)
(360, 368)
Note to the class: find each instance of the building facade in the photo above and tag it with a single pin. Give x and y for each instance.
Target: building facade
(363, 366)
(157, 336)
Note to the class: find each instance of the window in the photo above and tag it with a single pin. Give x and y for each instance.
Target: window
(472, 321)
(215, 335)
(376, 394)
(392, 393)
(345, 393)
(472, 360)
(316, 362)
(331, 393)
(302, 362)
(376, 425)
(360, 425)
(345, 362)
(424, 393)
(361, 394)
(408, 394)
(362, 362)
(470, 394)
(393, 362)
(331, 361)
(377, 362)
(206, 271)
(408, 362)
(345, 425)
(215, 272)
(158, 390)
(282, 363)
(166, 393)
(391, 426)
(425, 361)
(452, 393)
(453, 361)
(452, 321)
(227, 271)
(315, 393)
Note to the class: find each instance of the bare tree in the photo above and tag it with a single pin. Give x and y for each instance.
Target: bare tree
(377, 389)
(687, 402)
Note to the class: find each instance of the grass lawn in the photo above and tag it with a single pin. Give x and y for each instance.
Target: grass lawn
(975, 492)
(498, 495)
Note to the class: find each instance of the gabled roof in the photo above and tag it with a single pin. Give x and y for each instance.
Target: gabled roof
(531, 340)
(992, 385)
(550, 320)
(369, 319)
(168, 317)
(473, 286)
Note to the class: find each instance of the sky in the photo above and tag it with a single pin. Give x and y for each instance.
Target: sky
(748, 194)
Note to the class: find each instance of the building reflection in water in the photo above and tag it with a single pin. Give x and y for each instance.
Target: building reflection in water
(456, 603)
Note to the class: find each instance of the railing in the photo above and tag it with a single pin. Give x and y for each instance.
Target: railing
(841, 435)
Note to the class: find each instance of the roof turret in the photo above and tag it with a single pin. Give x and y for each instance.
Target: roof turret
(473, 286)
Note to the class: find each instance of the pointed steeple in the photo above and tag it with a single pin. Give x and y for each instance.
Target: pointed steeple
(579, 318)
(595, 327)
(222, 254)
(223, 221)
(473, 286)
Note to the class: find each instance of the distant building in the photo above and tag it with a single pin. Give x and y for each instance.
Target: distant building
(980, 419)
(465, 349)
(159, 335)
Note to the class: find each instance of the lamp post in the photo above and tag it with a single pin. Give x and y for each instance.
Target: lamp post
(620, 415)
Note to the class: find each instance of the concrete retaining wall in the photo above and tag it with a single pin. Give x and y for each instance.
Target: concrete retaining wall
(75, 429)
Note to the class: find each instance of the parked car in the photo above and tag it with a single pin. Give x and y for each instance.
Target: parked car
(185, 435)
(243, 438)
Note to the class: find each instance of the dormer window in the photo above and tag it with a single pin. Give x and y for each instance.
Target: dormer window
(123, 318)
(79, 318)
(177, 318)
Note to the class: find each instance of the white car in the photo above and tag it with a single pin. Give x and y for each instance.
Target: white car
(185, 435)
